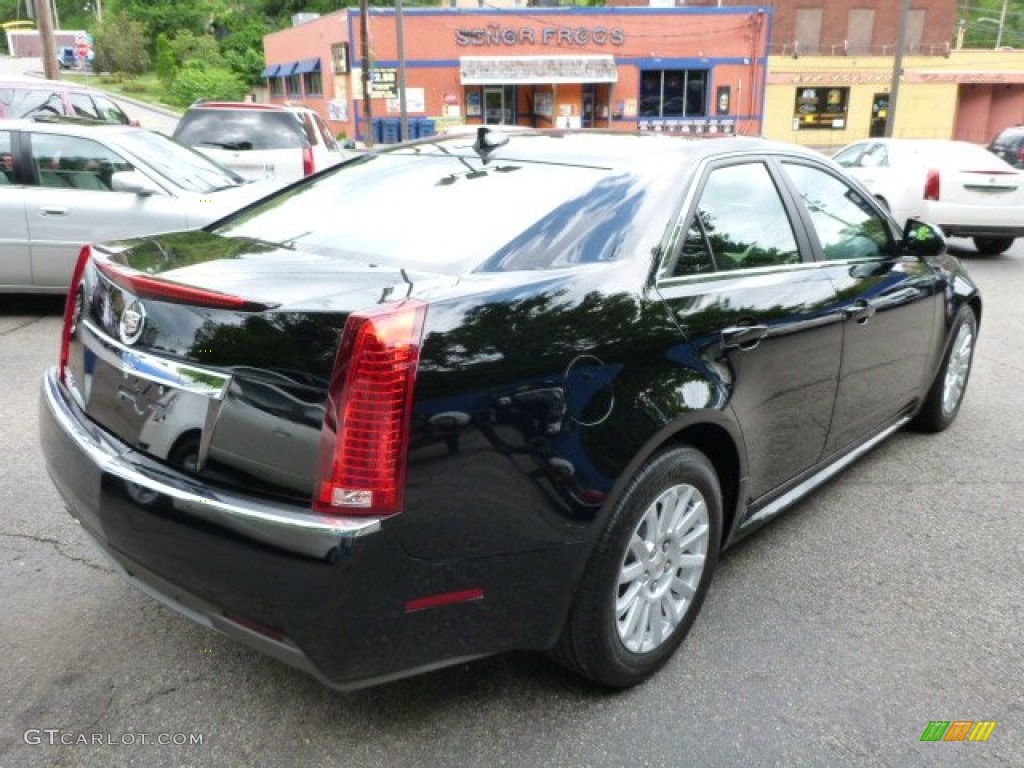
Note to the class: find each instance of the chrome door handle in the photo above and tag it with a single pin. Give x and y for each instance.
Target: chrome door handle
(861, 311)
(743, 336)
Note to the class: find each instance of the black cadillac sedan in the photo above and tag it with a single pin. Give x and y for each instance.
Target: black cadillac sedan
(492, 392)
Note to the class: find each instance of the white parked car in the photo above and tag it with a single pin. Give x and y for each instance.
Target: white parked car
(261, 141)
(962, 187)
(66, 184)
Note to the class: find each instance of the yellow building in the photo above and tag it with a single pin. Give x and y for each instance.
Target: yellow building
(829, 101)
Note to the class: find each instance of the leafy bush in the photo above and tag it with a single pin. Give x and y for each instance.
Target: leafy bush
(195, 81)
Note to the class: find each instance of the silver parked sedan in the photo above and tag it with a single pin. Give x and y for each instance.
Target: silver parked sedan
(66, 184)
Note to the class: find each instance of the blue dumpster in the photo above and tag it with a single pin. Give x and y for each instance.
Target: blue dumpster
(378, 130)
(391, 130)
(427, 127)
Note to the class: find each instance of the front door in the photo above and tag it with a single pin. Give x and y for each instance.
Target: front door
(499, 101)
(892, 306)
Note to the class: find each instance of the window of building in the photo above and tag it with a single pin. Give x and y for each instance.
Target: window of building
(915, 29)
(293, 85)
(277, 86)
(808, 30)
(339, 57)
(740, 223)
(821, 108)
(312, 83)
(673, 93)
(860, 30)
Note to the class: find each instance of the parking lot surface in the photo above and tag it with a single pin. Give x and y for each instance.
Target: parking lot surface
(834, 636)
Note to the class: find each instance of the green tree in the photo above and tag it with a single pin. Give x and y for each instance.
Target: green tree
(120, 47)
(166, 62)
(195, 80)
(188, 46)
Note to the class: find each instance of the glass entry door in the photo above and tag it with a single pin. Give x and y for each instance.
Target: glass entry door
(499, 104)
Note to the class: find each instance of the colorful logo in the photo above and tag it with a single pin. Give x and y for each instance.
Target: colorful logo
(958, 730)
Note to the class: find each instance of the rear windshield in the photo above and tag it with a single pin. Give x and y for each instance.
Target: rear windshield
(29, 102)
(451, 214)
(241, 129)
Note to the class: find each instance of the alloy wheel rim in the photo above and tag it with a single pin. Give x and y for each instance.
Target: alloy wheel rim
(957, 368)
(661, 568)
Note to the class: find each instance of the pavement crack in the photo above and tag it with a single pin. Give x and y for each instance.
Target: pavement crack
(59, 547)
(26, 324)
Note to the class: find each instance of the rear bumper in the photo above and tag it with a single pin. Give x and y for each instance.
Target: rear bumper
(322, 595)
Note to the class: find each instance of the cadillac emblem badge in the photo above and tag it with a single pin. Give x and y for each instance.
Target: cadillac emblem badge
(133, 322)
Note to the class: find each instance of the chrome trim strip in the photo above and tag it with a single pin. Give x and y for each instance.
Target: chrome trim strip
(808, 485)
(190, 378)
(272, 523)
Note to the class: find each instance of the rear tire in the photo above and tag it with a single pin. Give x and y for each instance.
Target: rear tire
(942, 403)
(649, 572)
(992, 246)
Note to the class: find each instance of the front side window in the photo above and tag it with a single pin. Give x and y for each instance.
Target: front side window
(71, 162)
(846, 224)
(673, 93)
(740, 223)
(109, 111)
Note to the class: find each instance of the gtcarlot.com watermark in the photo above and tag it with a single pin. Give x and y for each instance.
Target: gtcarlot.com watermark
(56, 737)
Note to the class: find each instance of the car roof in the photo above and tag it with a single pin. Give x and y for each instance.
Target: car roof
(251, 106)
(601, 148)
(67, 125)
(27, 81)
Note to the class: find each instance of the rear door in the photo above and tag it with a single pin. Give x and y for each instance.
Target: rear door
(70, 203)
(15, 265)
(762, 315)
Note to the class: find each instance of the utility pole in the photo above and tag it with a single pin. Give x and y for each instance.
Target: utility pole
(45, 21)
(897, 68)
(1002, 25)
(403, 112)
(364, 42)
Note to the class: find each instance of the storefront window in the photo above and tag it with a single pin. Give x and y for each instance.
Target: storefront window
(277, 86)
(293, 83)
(820, 108)
(673, 93)
(312, 83)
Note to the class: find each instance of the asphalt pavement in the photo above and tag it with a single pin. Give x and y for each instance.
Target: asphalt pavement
(832, 637)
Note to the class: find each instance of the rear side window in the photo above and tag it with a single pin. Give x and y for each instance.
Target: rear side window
(241, 129)
(740, 223)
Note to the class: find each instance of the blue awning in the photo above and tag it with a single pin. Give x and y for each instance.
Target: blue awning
(271, 70)
(307, 65)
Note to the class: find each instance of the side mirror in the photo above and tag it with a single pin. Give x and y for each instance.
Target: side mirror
(135, 183)
(920, 239)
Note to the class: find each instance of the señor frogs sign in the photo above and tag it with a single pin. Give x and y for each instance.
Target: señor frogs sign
(578, 37)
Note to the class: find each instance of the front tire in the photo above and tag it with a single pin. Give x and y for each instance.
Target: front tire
(649, 572)
(992, 246)
(942, 404)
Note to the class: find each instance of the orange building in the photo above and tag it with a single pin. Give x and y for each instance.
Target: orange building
(689, 70)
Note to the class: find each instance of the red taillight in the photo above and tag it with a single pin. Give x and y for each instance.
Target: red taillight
(73, 308)
(932, 185)
(308, 167)
(145, 286)
(1020, 155)
(366, 428)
